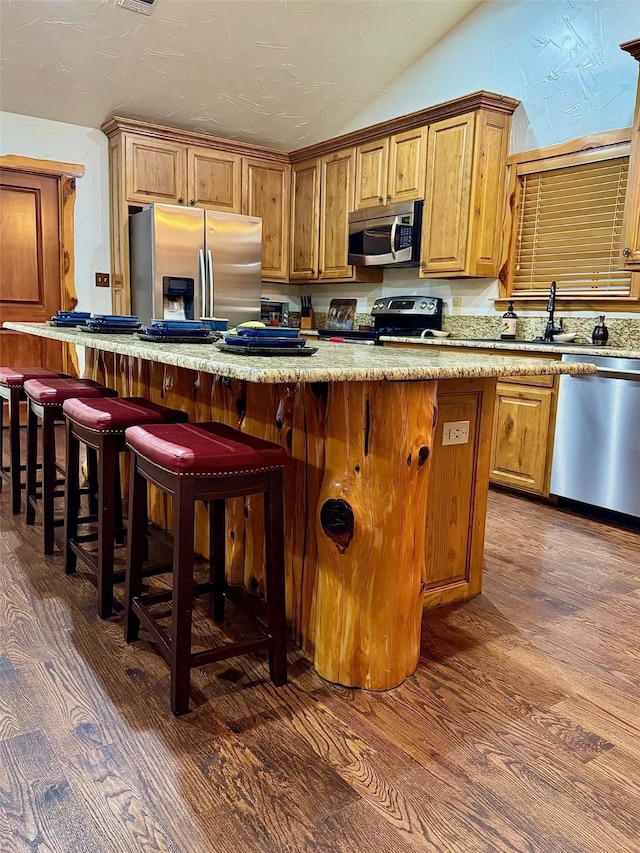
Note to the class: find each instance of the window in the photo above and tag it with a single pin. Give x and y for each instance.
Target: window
(567, 207)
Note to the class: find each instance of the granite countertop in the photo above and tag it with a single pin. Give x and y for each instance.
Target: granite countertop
(518, 346)
(331, 363)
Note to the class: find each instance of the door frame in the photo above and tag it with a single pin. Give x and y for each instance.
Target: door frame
(66, 174)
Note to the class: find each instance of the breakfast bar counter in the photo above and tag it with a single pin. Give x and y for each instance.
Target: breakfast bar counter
(381, 518)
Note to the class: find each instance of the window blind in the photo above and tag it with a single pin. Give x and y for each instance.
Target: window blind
(569, 229)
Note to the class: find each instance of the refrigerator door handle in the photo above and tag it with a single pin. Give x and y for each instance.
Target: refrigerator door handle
(210, 281)
(203, 285)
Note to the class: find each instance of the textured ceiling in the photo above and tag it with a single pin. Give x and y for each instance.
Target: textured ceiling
(281, 74)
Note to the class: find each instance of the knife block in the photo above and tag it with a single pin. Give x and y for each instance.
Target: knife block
(308, 321)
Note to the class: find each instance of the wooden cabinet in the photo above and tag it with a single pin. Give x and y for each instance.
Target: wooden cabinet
(391, 169)
(464, 198)
(321, 199)
(159, 170)
(305, 218)
(631, 227)
(153, 164)
(155, 170)
(265, 193)
(214, 179)
(523, 434)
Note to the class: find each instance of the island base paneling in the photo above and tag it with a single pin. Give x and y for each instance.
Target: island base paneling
(361, 560)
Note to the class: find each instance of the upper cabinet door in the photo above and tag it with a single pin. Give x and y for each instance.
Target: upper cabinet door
(305, 210)
(445, 224)
(214, 179)
(371, 174)
(155, 170)
(630, 246)
(265, 193)
(407, 158)
(336, 202)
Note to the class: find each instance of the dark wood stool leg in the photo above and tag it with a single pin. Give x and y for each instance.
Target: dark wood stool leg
(14, 448)
(217, 540)
(92, 480)
(48, 478)
(107, 461)
(71, 498)
(119, 517)
(183, 541)
(135, 548)
(274, 582)
(32, 464)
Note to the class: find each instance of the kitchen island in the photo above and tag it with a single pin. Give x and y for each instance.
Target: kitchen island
(381, 516)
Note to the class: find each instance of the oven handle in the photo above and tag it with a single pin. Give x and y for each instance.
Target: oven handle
(394, 228)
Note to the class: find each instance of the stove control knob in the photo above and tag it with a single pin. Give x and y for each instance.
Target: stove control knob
(432, 306)
(423, 305)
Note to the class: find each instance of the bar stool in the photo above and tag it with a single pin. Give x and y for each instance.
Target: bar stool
(12, 381)
(100, 425)
(208, 462)
(45, 398)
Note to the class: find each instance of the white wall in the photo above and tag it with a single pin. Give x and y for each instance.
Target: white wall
(562, 60)
(70, 143)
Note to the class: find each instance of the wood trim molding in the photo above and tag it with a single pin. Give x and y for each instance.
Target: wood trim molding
(43, 167)
(619, 136)
(118, 124)
(66, 174)
(632, 47)
(447, 109)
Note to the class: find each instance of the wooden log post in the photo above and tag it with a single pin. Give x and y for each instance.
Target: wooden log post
(371, 531)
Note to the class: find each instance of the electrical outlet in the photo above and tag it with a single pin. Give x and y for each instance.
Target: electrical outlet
(456, 304)
(102, 279)
(455, 432)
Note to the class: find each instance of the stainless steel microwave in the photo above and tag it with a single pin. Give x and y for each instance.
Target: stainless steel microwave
(387, 235)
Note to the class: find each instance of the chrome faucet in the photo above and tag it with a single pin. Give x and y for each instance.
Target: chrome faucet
(552, 329)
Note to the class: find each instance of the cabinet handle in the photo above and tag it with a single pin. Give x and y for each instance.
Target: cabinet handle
(192, 201)
(313, 272)
(180, 201)
(388, 198)
(319, 272)
(380, 199)
(626, 253)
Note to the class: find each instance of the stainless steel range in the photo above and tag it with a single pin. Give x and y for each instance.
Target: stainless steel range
(401, 316)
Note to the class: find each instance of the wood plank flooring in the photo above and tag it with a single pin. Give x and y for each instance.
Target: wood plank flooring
(520, 730)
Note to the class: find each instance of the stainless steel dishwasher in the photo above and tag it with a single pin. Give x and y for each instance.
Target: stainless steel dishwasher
(596, 452)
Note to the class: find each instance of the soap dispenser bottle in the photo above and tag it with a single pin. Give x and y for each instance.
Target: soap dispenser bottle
(600, 334)
(509, 322)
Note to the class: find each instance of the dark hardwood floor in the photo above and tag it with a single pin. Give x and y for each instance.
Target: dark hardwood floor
(520, 730)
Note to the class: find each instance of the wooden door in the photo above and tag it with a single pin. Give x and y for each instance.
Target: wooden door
(265, 191)
(155, 170)
(335, 204)
(305, 211)
(407, 159)
(371, 173)
(30, 265)
(447, 197)
(214, 179)
(521, 439)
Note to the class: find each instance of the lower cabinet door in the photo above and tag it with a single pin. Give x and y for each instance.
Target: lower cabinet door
(522, 432)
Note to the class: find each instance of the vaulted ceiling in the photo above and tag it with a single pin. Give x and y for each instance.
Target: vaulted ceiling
(281, 73)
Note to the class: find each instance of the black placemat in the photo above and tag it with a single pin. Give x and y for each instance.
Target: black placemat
(274, 351)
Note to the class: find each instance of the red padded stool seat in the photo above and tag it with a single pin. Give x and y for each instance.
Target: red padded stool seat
(209, 462)
(12, 380)
(45, 398)
(100, 424)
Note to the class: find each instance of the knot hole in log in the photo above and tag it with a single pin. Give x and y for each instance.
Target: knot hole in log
(337, 520)
(423, 455)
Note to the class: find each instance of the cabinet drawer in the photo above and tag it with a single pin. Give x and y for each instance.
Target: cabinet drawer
(539, 381)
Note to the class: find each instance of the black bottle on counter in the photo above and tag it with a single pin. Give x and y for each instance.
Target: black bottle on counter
(600, 334)
(509, 321)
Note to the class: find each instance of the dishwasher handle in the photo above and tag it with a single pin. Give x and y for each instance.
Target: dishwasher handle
(612, 373)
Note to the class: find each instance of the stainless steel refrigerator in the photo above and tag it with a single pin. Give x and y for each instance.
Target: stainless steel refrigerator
(187, 263)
